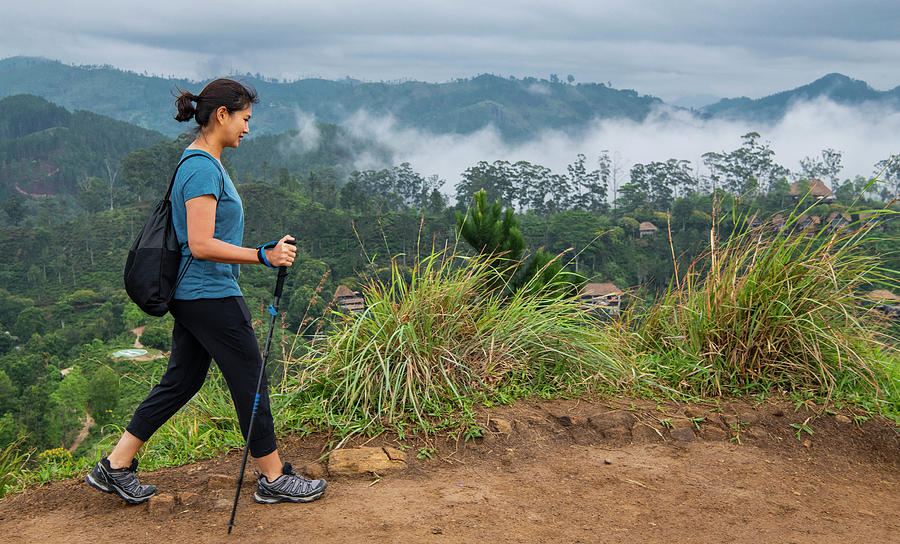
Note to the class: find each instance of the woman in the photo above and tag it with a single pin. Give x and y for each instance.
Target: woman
(211, 318)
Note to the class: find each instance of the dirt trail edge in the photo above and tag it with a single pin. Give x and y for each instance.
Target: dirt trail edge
(548, 471)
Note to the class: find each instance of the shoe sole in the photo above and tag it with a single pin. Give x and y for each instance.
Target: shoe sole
(272, 500)
(106, 489)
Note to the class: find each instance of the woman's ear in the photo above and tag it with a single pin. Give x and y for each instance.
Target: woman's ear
(221, 114)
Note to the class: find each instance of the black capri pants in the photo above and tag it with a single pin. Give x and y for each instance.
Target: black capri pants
(206, 329)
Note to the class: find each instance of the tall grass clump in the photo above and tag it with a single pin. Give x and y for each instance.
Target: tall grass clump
(436, 337)
(769, 309)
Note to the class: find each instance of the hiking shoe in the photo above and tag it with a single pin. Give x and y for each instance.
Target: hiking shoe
(288, 487)
(121, 481)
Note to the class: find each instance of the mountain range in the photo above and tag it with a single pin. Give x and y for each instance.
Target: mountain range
(518, 108)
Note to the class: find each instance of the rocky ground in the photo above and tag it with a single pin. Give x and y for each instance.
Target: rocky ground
(548, 471)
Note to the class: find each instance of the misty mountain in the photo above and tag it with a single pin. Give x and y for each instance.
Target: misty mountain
(518, 108)
(835, 87)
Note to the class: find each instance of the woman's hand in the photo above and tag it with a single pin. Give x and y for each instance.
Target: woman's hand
(283, 254)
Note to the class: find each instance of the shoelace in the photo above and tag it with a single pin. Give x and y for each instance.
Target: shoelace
(293, 483)
(128, 481)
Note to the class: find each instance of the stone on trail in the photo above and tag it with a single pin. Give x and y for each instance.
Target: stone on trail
(187, 498)
(221, 481)
(162, 503)
(499, 425)
(365, 461)
(840, 418)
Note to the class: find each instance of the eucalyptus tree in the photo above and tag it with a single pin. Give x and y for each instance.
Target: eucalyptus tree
(745, 170)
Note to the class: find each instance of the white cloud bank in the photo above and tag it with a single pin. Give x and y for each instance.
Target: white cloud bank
(865, 135)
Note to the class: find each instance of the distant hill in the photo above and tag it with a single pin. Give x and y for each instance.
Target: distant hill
(518, 108)
(835, 87)
(45, 149)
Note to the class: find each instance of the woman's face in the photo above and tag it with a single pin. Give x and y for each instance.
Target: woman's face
(235, 125)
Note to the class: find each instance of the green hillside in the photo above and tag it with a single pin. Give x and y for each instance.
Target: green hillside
(835, 87)
(46, 150)
(518, 108)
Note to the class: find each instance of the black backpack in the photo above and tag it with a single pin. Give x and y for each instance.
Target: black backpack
(151, 270)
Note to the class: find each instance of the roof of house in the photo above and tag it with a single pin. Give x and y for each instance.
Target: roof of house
(883, 295)
(866, 215)
(600, 290)
(646, 225)
(834, 215)
(344, 291)
(816, 188)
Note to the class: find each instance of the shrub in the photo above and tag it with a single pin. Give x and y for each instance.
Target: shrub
(425, 348)
(157, 337)
(766, 310)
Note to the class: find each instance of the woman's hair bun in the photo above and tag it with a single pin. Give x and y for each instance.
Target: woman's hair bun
(186, 110)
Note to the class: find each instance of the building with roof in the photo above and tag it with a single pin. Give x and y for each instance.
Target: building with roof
(886, 302)
(349, 301)
(817, 189)
(646, 229)
(601, 296)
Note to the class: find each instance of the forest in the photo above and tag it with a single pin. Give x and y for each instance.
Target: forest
(77, 187)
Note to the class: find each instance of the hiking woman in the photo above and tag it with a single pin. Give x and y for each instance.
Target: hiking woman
(211, 318)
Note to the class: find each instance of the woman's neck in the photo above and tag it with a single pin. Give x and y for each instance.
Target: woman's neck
(204, 144)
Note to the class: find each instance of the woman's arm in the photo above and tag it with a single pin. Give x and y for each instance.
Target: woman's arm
(201, 225)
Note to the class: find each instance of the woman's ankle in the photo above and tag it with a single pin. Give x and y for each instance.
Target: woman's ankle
(118, 462)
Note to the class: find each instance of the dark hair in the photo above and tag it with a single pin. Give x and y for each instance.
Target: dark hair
(220, 92)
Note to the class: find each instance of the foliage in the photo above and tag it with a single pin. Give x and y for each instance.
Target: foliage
(11, 462)
(158, 337)
(766, 310)
(428, 344)
(103, 392)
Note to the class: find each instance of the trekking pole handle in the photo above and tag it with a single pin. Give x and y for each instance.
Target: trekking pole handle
(282, 273)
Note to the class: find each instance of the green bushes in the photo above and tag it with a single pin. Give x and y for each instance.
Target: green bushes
(766, 310)
(158, 337)
(430, 345)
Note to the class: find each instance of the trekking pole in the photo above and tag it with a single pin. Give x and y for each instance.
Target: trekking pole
(273, 312)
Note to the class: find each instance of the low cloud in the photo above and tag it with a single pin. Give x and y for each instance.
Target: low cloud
(308, 134)
(864, 134)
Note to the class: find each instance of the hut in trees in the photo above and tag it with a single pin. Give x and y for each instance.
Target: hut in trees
(646, 229)
(886, 302)
(349, 301)
(816, 188)
(601, 296)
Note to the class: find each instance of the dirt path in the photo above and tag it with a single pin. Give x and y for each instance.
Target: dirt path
(137, 336)
(563, 471)
(83, 433)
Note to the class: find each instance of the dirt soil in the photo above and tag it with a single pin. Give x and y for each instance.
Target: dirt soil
(548, 471)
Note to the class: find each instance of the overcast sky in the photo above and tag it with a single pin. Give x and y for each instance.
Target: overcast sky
(664, 48)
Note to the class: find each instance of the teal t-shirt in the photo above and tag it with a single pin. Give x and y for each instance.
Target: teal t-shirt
(197, 176)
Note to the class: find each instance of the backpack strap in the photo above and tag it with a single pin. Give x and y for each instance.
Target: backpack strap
(175, 173)
(168, 197)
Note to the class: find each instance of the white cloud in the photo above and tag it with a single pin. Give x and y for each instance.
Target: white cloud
(863, 134)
